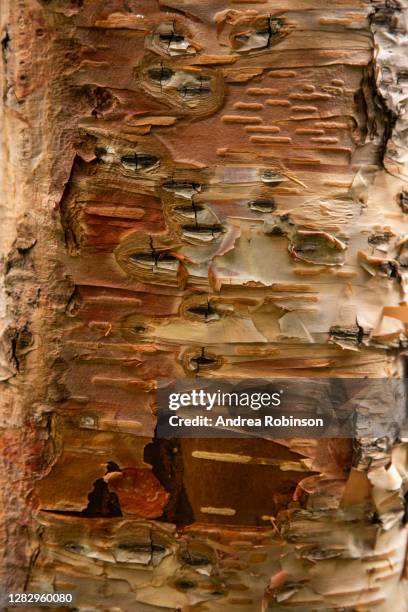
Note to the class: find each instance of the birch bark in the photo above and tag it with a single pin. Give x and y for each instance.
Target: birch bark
(205, 189)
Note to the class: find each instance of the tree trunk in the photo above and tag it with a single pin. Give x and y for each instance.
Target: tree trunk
(209, 189)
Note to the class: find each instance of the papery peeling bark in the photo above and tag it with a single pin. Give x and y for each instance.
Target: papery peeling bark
(212, 189)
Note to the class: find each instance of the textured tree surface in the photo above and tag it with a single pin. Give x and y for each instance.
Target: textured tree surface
(200, 188)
